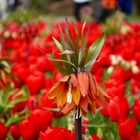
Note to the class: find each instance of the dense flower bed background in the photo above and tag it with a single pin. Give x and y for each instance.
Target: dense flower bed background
(27, 75)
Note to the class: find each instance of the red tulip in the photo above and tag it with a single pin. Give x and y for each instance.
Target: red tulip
(15, 131)
(21, 71)
(105, 111)
(28, 130)
(32, 102)
(3, 131)
(127, 128)
(57, 133)
(118, 108)
(136, 137)
(19, 106)
(43, 64)
(35, 82)
(135, 86)
(119, 73)
(137, 57)
(115, 87)
(41, 118)
(136, 110)
(85, 122)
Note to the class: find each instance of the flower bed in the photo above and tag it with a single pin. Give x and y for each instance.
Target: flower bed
(25, 110)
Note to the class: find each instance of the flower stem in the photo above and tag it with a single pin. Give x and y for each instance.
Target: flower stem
(78, 126)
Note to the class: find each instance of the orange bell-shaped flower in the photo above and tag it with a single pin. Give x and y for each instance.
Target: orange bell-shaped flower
(78, 90)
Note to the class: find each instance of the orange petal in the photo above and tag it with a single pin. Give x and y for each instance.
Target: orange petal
(84, 113)
(91, 95)
(74, 80)
(61, 97)
(76, 95)
(84, 104)
(93, 108)
(92, 105)
(67, 108)
(101, 99)
(55, 89)
(83, 81)
(93, 85)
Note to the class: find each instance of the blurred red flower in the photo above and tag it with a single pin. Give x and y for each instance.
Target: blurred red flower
(84, 122)
(135, 86)
(136, 110)
(127, 128)
(44, 64)
(21, 71)
(32, 102)
(3, 131)
(35, 82)
(136, 137)
(118, 108)
(41, 118)
(57, 133)
(28, 130)
(38, 120)
(15, 131)
(115, 87)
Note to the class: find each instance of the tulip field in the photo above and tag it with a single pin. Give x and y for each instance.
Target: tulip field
(47, 80)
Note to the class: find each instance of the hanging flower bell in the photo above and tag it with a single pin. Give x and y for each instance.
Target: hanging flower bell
(78, 88)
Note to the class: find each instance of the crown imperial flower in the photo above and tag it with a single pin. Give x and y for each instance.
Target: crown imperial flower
(78, 88)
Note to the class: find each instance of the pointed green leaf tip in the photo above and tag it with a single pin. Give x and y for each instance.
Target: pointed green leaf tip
(75, 58)
(94, 51)
(58, 44)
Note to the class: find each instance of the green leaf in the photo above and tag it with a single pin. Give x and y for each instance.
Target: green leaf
(68, 67)
(18, 100)
(70, 43)
(14, 119)
(54, 109)
(74, 56)
(62, 39)
(58, 44)
(77, 38)
(57, 64)
(2, 109)
(62, 121)
(82, 49)
(99, 133)
(83, 27)
(83, 53)
(17, 93)
(1, 101)
(94, 51)
(6, 94)
(66, 46)
(67, 52)
(95, 125)
(60, 60)
(68, 39)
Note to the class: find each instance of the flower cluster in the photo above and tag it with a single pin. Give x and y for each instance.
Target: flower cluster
(30, 113)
